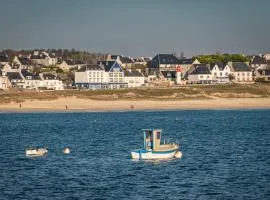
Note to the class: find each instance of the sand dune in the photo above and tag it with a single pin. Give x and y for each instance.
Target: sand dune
(87, 105)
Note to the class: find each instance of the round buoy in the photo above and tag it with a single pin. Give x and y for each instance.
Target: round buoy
(66, 150)
(178, 154)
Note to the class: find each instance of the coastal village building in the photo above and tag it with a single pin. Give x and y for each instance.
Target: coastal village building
(258, 62)
(134, 78)
(92, 77)
(163, 62)
(15, 80)
(220, 72)
(67, 65)
(115, 74)
(241, 71)
(31, 81)
(43, 58)
(125, 62)
(51, 81)
(200, 75)
(3, 81)
(263, 74)
(186, 64)
(22, 62)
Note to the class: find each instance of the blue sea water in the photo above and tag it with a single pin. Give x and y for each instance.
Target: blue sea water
(226, 155)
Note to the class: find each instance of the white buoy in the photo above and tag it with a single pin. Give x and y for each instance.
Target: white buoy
(66, 150)
(178, 154)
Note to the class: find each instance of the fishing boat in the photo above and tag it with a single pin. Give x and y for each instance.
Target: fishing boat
(154, 149)
(36, 152)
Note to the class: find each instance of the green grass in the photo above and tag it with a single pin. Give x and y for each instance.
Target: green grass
(187, 92)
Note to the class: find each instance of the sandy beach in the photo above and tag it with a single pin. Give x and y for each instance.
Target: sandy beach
(88, 105)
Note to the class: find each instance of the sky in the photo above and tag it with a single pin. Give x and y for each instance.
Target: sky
(137, 27)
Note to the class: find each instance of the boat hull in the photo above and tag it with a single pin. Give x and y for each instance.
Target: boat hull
(148, 154)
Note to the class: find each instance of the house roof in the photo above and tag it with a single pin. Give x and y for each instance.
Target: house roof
(165, 59)
(108, 64)
(91, 68)
(240, 67)
(220, 65)
(126, 60)
(258, 60)
(14, 75)
(4, 58)
(27, 73)
(133, 74)
(200, 69)
(186, 61)
(40, 56)
(24, 60)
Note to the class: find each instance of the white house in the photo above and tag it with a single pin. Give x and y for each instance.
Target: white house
(15, 79)
(186, 64)
(200, 75)
(115, 74)
(92, 77)
(258, 62)
(220, 72)
(3, 81)
(134, 78)
(22, 62)
(241, 71)
(51, 82)
(43, 58)
(66, 65)
(31, 81)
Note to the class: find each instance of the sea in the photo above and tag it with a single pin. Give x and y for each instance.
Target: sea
(226, 155)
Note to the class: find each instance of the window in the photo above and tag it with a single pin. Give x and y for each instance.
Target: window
(158, 135)
(220, 73)
(201, 76)
(226, 74)
(215, 74)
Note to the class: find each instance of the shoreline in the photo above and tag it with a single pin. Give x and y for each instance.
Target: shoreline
(73, 104)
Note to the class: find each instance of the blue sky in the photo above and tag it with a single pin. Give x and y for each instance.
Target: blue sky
(137, 27)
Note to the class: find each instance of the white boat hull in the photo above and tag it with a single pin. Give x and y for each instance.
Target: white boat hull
(145, 155)
(36, 152)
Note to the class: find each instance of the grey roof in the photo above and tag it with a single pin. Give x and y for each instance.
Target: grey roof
(220, 65)
(186, 61)
(164, 59)
(40, 56)
(133, 73)
(49, 76)
(14, 75)
(107, 64)
(240, 67)
(126, 60)
(32, 76)
(200, 69)
(91, 67)
(258, 60)
(24, 60)
(4, 58)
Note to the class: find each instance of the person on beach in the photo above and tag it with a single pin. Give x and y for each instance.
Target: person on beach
(20, 105)
(66, 107)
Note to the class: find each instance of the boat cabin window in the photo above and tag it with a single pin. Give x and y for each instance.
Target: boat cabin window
(158, 135)
(148, 134)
